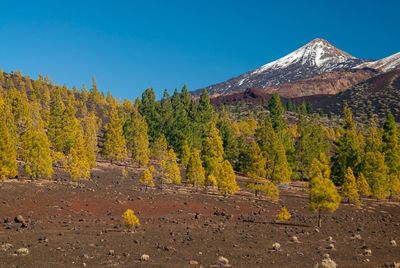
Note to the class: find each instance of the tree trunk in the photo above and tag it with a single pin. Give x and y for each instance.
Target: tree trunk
(319, 219)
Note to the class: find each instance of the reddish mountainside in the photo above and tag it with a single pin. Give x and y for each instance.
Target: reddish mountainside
(324, 84)
(377, 95)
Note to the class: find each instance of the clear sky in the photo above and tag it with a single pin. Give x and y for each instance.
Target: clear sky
(132, 45)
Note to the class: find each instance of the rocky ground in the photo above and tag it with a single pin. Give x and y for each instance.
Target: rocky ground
(60, 224)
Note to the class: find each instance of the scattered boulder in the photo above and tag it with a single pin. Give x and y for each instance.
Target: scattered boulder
(330, 246)
(19, 219)
(193, 262)
(276, 246)
(356, 236)
(294, 239)
(145, 257)
(22, 251)
(393, 243)
(224, 261)
(367, 252)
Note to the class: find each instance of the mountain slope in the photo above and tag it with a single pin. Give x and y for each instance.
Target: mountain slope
(376, 95)
(314, 58)
(384, 65)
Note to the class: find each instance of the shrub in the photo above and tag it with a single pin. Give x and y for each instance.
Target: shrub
(130, 219)
(284, 215)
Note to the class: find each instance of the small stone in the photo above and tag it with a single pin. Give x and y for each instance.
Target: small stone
(145, 257)
(19, 219)
(316, 230)
(330, 246)
(367, 252)
(393, 243)
(22, 251)
(357, 236)
(223, 260)
(111, 252)
(193, 262)
(276, 246)
(330, 239)
(294, 239)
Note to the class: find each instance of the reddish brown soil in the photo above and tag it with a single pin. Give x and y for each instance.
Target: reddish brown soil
(82, 223)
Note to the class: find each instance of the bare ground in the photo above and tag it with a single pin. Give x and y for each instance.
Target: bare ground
(78, 225)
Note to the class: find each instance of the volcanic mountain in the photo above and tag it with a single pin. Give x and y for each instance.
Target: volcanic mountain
(317, 68)
(315, 58)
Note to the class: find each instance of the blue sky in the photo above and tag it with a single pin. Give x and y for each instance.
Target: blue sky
(132, 45)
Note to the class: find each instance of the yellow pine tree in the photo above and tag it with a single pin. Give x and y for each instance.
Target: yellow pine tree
(362, 185)
(213, 150)
(77, 164)
(36, 154)
(170, 172)
(195, 174)
(147, 178)
(114, 146)
(8, 154)
(159, 149)
(185, 153)
(226, 178)
(349, 188)
(91, 127)
(323, 194)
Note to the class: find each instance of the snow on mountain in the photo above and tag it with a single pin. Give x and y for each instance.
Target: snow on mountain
(316, 57)
(318, 52)
(384, 65)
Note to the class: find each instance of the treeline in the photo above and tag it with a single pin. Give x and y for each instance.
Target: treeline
(45, 125)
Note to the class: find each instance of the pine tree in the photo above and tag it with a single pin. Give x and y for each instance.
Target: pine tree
(147, 178)
(195, 174)
(114, 146)
(323, 193)
(185, 153)
(349, 189)
(149, 110)
(311, 142)
(391, 150)
(274, 152)
(348, 150)
(77, 164)
(213, 150)
(229, 138)
(8, 154)
(362, 185)
(251, 161)
(226, 178)
(277, 111)
(91, 128)
(55, 131)
(166, 113)
(376, 171)
(170, 172)
(160, 148)
(373, 166)
(36, 154)
(136, 133)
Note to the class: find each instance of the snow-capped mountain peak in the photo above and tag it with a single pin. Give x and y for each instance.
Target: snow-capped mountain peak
(314, 58)
(319, 53)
